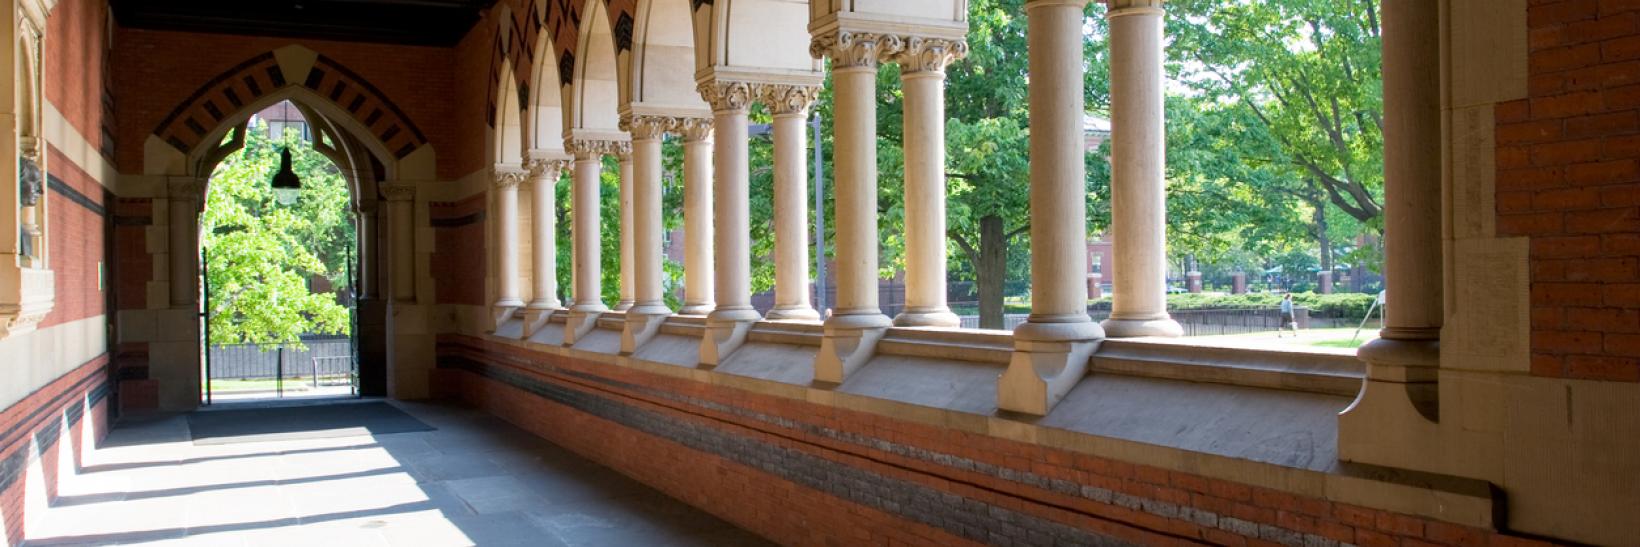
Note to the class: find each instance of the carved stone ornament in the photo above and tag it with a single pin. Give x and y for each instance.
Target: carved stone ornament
(787, 99)
(930, 54)
(586, 149)
(508, 178)
(727, 95)
(30, 181)
(855, 49)
(646, 128)
(549, 168)
(692, 129)
(399, 192)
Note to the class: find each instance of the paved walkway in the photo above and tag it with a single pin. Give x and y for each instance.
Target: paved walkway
(475, 480)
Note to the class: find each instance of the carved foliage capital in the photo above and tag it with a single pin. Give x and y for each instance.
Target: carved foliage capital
(587, 149)
(855, 49)
(508, 178)
(727, 95)
(645, 128)
(186, 190)
(549, 169)
(1119, 8)
(787, 99)
(399, 192)
(930, 54)
(692, 129)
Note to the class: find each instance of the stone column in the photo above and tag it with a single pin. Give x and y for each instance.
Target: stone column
(790, 104)
(626, 231)
(589, 303)
(698, 295)
(1051, 349)
(544, 175)
(185, 197)
(401, 240)
(1138, 191)
(922, 73)
(367, 288)
(1394, 418)
(726, 326)
(856, 323)
(506, 180)
(649, 311)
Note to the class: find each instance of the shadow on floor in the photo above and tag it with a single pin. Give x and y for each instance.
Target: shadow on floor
(464, 478)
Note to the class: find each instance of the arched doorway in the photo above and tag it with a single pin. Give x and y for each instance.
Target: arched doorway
(280, 268)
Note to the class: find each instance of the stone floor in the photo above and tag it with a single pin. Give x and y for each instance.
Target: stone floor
(474, 480)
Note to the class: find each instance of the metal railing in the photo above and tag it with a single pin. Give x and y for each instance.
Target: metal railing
(329, 358)
(1209, 322)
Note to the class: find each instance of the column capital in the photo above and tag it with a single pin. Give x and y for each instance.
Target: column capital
(855, 49)
(506, 177)
(646, 127)
(539, 167)
(787, 99)
(727, 95)
(692, 129)
(929, 55)
(399, 192)
(186, 189)
(1119, 8)
(586, 149)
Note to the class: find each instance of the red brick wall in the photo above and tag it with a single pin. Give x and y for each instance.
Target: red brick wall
(155, 71)
(623, 418)
(458, 261)
(76, 244)
(75, 65)
(20, 422)
(1568, 162)
(132, 217)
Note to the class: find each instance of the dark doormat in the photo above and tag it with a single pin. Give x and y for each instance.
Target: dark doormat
(299, 422)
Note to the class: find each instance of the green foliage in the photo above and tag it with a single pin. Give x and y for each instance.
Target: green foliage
(260, 254)
(1349, 305)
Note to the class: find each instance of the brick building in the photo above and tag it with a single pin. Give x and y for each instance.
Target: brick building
(1501, 404)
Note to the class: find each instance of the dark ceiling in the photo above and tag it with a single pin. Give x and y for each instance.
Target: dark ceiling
(417, 22)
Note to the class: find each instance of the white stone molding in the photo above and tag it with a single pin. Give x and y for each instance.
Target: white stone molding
(399, 192)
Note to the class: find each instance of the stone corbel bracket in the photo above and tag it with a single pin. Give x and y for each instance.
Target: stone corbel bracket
(844, 350)
(1040, 373)
(722, 338)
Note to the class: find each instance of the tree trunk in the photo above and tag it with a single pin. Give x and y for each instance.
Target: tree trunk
(991, 270)
(1321, 237)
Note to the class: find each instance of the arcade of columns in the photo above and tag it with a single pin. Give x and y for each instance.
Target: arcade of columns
(1053, 346)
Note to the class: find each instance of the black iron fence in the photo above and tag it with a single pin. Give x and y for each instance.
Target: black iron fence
(1213, 322)
(323, 358)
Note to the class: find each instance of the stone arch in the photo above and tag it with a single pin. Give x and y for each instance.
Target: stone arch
(755, 34)
(652, 39)
(593, 91)
(292, 72)
(544, 121)
(508, 141)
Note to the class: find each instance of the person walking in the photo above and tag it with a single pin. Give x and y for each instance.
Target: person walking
(1287, 316)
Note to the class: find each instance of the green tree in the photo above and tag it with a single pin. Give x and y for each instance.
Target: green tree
(261, 255)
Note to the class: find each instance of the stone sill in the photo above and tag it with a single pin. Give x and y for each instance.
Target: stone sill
(1453, 499)
(26, 296)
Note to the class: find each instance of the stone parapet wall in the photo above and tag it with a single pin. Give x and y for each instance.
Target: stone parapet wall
(809, 471)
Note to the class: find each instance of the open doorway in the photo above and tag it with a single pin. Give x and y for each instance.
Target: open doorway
(279, 248)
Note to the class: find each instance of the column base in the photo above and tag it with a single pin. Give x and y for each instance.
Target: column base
(1134, 328)
(1048, 360)
(623, 305)
(642, 323)
(581, 321)
(725, 332)
(536, 318)
(927, 317)
(849, 342)
(794, 312)
(697, 308)
(1395, 420)
(503, 311)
